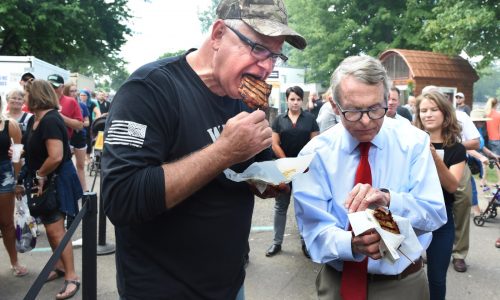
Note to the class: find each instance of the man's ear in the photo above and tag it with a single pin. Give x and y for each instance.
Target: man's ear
(336, 109)
(218, 30)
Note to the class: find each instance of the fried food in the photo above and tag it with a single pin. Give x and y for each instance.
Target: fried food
(385, 219)
(255, 92)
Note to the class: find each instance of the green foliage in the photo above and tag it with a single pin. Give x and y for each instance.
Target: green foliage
(82, 36)
(336, 29)
(207, 17)
(172, 54)
(471, 26)
(487, 86)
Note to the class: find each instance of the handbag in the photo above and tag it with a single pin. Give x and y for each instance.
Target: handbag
(47, 202)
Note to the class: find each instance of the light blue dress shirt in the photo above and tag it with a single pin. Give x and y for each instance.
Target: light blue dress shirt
(400, 161)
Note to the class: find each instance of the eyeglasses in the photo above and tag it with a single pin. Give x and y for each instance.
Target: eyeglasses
(73, 91)
(258, 51)
(458, 97)
(354, 115)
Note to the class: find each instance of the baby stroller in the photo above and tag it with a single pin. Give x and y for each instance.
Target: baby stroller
(491, 209)
(97, 136)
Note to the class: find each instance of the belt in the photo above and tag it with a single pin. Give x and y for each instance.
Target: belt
(412, 268)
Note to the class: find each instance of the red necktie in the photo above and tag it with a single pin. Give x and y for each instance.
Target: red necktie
(353, 285)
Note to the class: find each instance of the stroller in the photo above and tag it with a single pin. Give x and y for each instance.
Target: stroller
(97, 136)
(491, 209)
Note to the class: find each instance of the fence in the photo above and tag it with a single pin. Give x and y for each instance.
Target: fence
(88, 214)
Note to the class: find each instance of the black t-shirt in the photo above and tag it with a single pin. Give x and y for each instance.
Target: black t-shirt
(316, 107)
(452, 155)
(195, 250)
(293, 137)
(104, 106)
(51, 126)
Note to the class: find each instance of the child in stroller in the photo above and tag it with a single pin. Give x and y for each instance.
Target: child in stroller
(95, 157)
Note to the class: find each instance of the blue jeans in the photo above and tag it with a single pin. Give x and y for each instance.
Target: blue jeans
(494, 146)
(474, 190)
(280, 209)
(241, 293)
(438, 257)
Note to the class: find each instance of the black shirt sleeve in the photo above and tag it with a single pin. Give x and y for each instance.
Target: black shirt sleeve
(133, 186)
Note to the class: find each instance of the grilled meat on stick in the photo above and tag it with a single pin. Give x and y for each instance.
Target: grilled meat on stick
(255, 92)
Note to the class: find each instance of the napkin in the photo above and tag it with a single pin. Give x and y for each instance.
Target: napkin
(391, 244)
(272, 172)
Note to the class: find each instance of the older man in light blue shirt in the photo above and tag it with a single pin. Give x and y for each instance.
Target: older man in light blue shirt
(404, 178)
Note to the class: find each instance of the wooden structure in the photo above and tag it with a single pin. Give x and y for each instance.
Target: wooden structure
(417, 69)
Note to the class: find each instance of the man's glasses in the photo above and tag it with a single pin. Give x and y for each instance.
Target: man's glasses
(458, 97)
(258, 51)
(354, 115)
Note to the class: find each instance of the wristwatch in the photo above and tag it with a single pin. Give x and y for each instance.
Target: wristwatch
(384, 191)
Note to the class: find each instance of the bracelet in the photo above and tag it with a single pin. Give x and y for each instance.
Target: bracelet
(38, 177)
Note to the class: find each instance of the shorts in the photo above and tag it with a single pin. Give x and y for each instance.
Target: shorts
(78, 140)
(7, 180)
(52, 217)
(494, 146)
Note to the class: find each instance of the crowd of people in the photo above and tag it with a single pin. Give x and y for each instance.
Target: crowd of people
(182, 227)
(52, 121)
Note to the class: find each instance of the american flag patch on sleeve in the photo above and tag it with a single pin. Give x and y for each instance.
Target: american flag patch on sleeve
(126, 133)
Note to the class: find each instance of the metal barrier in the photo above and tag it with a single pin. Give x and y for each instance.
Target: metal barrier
(88, 214)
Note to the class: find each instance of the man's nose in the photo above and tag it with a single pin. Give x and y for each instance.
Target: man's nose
(267, 64)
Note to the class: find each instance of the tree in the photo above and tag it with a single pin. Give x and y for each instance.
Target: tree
(83, 36)
(336, 29)
(172, 54)
(487, 86)
(207, 16)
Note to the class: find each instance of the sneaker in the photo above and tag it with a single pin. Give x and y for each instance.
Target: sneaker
(486, 188)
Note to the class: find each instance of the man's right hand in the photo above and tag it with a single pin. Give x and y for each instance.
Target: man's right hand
(245, 135)
(367, 243)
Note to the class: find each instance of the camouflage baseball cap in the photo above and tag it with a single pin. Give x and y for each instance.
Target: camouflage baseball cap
(267, 17)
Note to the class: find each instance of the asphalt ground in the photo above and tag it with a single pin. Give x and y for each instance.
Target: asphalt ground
(288, 275)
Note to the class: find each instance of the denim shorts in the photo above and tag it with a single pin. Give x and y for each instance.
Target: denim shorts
(494, 146)
(52, 217)
(7, 180)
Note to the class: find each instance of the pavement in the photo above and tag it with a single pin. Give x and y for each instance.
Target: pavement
(288, 275)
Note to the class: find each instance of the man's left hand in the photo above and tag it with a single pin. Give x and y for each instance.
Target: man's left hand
(364, 195)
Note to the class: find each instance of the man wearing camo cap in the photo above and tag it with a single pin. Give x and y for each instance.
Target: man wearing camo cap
(181, 226)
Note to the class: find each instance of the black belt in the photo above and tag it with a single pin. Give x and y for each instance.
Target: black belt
(412, 268)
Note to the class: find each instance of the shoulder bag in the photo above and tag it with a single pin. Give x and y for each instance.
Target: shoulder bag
(47, 202)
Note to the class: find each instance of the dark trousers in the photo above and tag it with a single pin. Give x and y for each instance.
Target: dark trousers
(438, 257)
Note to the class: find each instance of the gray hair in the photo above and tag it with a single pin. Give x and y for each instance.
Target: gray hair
(365, 69)
(233, 23)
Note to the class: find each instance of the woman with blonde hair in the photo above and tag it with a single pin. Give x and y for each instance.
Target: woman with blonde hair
(48, 155)
(15, 102)
(9, 131)
(435, 115)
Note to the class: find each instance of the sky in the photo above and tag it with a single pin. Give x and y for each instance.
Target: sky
(161, 26)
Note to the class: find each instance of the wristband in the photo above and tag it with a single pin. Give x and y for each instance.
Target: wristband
(38, 177)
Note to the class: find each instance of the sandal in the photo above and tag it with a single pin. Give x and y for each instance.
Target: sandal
(497, 243)
(19, 271)
(55, 274)
(62, 292)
